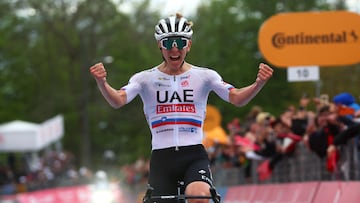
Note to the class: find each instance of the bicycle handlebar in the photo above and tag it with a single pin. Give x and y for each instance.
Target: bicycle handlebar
(148, 198)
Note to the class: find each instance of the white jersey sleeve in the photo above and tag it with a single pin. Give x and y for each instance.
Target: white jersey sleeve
(217, 85)
(133, 88)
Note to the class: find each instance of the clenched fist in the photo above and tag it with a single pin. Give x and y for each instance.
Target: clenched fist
(98, 71)
(264, 74)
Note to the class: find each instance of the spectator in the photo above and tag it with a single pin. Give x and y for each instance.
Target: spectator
(265, 140)
(7, 183)
(251, 116)
(323, 135)
(349, 114)
(347, 105)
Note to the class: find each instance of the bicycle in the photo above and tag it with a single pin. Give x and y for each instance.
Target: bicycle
(181, 198)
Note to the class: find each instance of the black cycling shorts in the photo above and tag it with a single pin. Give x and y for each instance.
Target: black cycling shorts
(168, 166)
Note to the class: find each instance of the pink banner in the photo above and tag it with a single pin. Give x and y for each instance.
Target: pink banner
(338, 192)
(307, 192)
(76, 194)
(57, 195)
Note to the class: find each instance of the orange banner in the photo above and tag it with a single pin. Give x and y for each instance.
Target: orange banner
(330, 38)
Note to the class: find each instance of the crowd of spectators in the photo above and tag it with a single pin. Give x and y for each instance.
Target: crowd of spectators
(136, 173)
(30, 172)
(323, 128)
(267, 138)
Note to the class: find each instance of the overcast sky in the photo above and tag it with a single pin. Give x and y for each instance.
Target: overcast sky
(188, 7)
(168, 7)
(354, 5)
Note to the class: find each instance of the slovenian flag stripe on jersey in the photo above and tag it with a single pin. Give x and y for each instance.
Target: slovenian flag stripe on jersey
(172, 121)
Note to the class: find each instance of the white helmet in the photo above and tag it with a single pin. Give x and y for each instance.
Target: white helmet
(173, 26)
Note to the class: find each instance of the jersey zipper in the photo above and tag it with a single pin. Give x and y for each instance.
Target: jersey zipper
(176, 128)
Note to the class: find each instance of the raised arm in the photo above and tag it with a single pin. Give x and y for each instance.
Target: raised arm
(242, 96)
(116, 98)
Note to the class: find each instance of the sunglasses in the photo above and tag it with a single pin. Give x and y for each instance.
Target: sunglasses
(178, 42)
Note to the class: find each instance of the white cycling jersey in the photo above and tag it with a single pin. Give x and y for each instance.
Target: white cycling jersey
(175, 105)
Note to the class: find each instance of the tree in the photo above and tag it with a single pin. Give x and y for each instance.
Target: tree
(52, 47)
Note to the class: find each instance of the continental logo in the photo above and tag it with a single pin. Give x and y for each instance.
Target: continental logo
(281, 39)
(326, 38)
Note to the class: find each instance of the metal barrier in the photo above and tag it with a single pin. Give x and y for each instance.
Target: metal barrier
(303, 165)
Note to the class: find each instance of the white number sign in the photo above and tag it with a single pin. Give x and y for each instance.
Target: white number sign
(303, 73)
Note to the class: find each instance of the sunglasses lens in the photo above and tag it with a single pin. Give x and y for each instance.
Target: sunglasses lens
(169, 43)
(181, 43)
(166, 43)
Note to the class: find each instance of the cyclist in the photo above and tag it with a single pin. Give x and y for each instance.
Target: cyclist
(174, 95)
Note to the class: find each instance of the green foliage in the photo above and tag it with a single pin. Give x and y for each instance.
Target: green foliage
(47, 50)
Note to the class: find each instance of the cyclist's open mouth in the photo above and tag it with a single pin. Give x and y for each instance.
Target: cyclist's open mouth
(174, 58)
